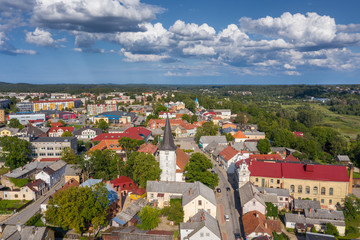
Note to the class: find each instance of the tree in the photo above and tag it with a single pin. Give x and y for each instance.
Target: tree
(142, 167)
(264, 146)
(229, 137)
(271, 210)
(68, 155)
(149, 98)
(48, 124)
(102, 124)
(129, 144)
(14, 123)
(197, 170)
(78, 207)
(185, 117)
(351, 206)
(193, 118)
(354, 152)
(331, 230)
(242, 118)
(16, 152)
(62, 122)
(309, 117)
(207, 129)
(149, 217)
(175, 212)
(67, 134)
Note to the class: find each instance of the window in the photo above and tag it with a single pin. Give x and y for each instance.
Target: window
(330, 201)
(201, 234)
(256, 179)
(124, 185)
(331, 191)
(152, 195)
(322, 201)
(207, 234)
(16, 196)
(254, 203)
(272, 180)
(278, 181)
(50, 148)
(130, 184)
(315, 190)
(23, 195)
(281, 199)
(307, 190)
(292, 188)
(199, 202)
(299, 189)
(50, 154)
(323, 191)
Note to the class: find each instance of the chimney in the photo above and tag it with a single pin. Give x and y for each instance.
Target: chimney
(309, 210)
(202, 216)
(19, 228)
(256, 215)
(190, 191)
(265, 224)
(351, 178)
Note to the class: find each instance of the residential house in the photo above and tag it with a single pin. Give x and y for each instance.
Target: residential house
(206, 140)
(255, 225)
(72, 172)
(299, 205)
(33, 132)
(230, 130)
(254, 135)
(342, 159)
(125, 217)
(228, 157)
(19, 232)
(31, 191)
(250, 199)
(279, 197)
(95, 109)
(112, 196)
(240, 137)
(2, 116)
(7, 131)
(87, 133)
(228, 125)
(164, 115)
(201, 226)
(24, 118)
(134, 233)
(59, 131)
(51, 147)
(52, 174)
(195, 196)
(111, 144)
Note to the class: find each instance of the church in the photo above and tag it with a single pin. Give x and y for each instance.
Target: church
(171, 158)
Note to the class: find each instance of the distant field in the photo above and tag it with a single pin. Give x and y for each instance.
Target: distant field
(347, 125)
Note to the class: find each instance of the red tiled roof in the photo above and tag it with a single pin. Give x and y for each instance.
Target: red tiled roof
(160, 232)
(71, 183)
(182, 158)
(291, 158)
(148, 148)
(266, 157)
(112, 144)
(56, 129)
(56, 124)
(228, 153)
(134, 131)
(120, 181)
(254, 222)
(114, 136)
(36, 121)
(239, 134)
(317, 172)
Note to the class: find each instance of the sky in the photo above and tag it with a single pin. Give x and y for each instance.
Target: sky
(180, 41)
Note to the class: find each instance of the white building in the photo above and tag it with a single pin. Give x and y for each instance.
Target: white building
(53, 174)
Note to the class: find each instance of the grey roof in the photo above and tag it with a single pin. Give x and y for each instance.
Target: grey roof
(211, 146)
(117, 130)
(248, 192)
(247, 132)
(11, 232)
(269, 198)
(277, 191)
(296, 218)
(343, 158)
(156, 131)
(200, 220)
(324, 214)
(30, 130)
(12, 130)
(306, 204)
(29, 167)
(128, 213)
(168, 140)
(54, 139)
(209, 139)
(319, 236)
(251, 146)
(198, 189)
(277, 149)
(72, 170)
(58, 165)
(80, 130)
(239, 146)
(167, 187)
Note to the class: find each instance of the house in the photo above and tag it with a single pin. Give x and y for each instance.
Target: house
(298, 134)
(279, 150)
(206, 140)
(51, 147)
(228, 157)
(34, 132)
(87, 133)
(282, 198)
(240, 137)
(138, 133)
(31, 191)
(111, 144)
(291, 158)
(7, 131)
(250, 199)
(201, 226)
(342, 159)
(124, 185)
(255, 225)
(299, 205)
(164, 115)
(52, 174)
(327, 183)
(72, 172)
(254, 135)
(19, 232)
(124, 217)
(316, 218)
(195, 196)
(148, 148)
(56, 104)
(59, 131)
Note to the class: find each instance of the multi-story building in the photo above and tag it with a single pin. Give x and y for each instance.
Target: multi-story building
(51, 147)
(24, 118)
(4, 103)
(25, 106)
(2, 116)
(328, 184)
(56, 104)
(95, 109)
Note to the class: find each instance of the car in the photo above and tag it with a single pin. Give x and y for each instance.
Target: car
(218, 190)
(227, 218)
(212, 171)
(237, 236)
(227, 189)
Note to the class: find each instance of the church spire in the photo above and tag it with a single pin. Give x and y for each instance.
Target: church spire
(168, 140)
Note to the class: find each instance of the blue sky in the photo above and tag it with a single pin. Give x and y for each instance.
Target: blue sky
(180, 41)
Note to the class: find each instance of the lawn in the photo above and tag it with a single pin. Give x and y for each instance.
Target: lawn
(76, 126)
(4, 170)
(347, 125)
(8, 206)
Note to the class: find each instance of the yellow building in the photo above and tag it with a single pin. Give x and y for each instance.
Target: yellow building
(328, 184)
(6, 131)
(56, 104)
(2, 116)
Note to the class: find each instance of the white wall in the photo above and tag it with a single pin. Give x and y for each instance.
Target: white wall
(254, 205)
(193, 207)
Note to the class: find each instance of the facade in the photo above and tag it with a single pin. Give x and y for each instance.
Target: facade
(2, 116)
(251, 200)
(95, 109)
(31, 191)
(46, 147)
(87, 133)
(7, 131)
(25, 106)
(327, 183)
(254, 135)
(24, 118)
(167, 155)
(59, 131)
(52, 174)
(56, 104)
(228, 157)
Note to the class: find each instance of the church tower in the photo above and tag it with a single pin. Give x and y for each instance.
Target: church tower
(168, 155)
(243, 173)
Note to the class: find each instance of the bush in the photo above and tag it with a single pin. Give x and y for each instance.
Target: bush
(352, 230)
(35, 221)
(175, 212)
(271, 210)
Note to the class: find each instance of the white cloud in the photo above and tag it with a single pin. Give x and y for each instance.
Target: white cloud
(288, 66)
(94, 15)
(192, 31)
(199, 50)
(143, 57)
(77, 50)
(42, 38)
(292, 73)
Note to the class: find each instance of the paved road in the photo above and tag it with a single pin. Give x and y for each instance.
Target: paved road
(23, 216)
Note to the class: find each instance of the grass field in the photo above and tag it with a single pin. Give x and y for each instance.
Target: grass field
(8, 206)
(347, 125)
(4, 170)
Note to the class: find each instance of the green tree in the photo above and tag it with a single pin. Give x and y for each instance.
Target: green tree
(67, 134)
(351, 206)
(15, 152)
(149, 217)
(68, 155)
(48, 124)
(78, 208)
(193, 118)
(142, 167)
(14, 123)
(185, 117)
(264, 146)
(175, 212)
(271, 210)
(309, 117)
(354, 152)
(129, 144)
(207, 129)
(229, 137)
(242, 118)
(197, 170)
(62, 122)
(102, 124)
(331, 230)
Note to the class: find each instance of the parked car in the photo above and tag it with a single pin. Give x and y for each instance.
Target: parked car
(237, 236)
(227, 189)
(227, 218)
(212, 171)
(218, 190)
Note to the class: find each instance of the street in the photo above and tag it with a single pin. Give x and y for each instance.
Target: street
(23, 216)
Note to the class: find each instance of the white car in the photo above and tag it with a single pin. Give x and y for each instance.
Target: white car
(227, 218)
